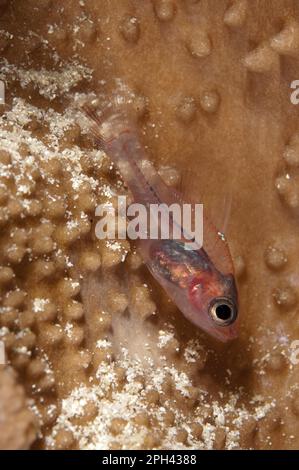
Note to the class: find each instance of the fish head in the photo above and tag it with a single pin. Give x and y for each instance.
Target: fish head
(214, 300)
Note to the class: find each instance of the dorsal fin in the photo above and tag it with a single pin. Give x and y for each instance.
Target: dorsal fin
(219, 209)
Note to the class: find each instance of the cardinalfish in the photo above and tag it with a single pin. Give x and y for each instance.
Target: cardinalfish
(199, 281)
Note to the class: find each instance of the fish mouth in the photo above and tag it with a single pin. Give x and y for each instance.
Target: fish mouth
(227, 334)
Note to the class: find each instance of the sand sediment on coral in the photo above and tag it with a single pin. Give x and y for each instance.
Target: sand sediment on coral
(102, 359)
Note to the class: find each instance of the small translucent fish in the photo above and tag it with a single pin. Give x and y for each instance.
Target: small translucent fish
(200, 281)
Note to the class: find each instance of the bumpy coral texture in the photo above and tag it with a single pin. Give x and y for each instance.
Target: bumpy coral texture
(18, 425)
(104, 358)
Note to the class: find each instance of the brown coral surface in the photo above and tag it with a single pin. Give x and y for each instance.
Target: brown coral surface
(101, 358)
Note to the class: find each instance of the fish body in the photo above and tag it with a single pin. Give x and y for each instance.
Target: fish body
(200, 281)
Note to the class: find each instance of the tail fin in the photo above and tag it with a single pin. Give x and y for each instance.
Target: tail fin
(96, 124)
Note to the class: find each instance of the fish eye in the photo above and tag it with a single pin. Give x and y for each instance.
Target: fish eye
(222, 311)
